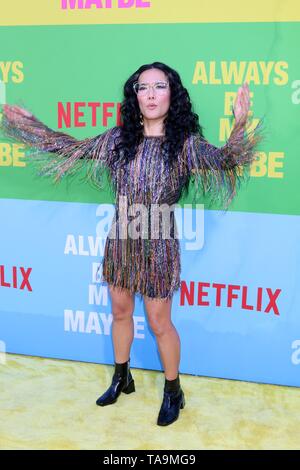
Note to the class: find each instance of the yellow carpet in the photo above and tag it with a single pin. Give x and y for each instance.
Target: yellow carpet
(50, 404)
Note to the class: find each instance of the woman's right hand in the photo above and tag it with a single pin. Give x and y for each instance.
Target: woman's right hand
(13, 111)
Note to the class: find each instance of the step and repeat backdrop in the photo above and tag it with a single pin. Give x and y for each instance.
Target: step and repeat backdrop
(238, 309)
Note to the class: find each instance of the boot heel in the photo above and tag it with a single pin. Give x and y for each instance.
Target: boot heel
(182, 403)
(130, 388)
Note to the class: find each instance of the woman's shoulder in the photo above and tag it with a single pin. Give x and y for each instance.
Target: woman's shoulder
(111, 132)
(108, 136)
(192, 136)
(114, 131)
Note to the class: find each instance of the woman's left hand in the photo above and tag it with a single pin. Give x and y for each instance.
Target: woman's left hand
(242, 103)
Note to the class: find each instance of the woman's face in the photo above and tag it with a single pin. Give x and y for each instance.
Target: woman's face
(160, 98)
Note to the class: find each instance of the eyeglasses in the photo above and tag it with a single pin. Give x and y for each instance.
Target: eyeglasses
(142, 89)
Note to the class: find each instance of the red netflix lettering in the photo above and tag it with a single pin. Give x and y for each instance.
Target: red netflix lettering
(16, 277)
(95, 114)
(231, 295)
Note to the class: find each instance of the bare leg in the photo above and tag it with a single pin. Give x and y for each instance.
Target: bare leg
(122, 325)
(168, 341)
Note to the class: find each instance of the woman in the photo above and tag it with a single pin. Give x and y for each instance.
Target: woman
(151, 159)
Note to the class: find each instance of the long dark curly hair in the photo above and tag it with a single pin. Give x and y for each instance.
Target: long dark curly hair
(179, 122)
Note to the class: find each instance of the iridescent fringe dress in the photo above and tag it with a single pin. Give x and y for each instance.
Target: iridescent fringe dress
(146, 266)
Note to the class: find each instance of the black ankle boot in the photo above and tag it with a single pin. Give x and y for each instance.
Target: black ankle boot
(122, 381)
(173, 401)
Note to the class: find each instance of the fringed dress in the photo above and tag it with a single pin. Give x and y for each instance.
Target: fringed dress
(141, 253)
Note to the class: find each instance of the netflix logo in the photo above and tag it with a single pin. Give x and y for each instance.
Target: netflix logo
(82, 114)
(206, 294)
(15, 277)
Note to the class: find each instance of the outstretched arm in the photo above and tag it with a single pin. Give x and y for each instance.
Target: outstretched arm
(19, 125)
(220, 171)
